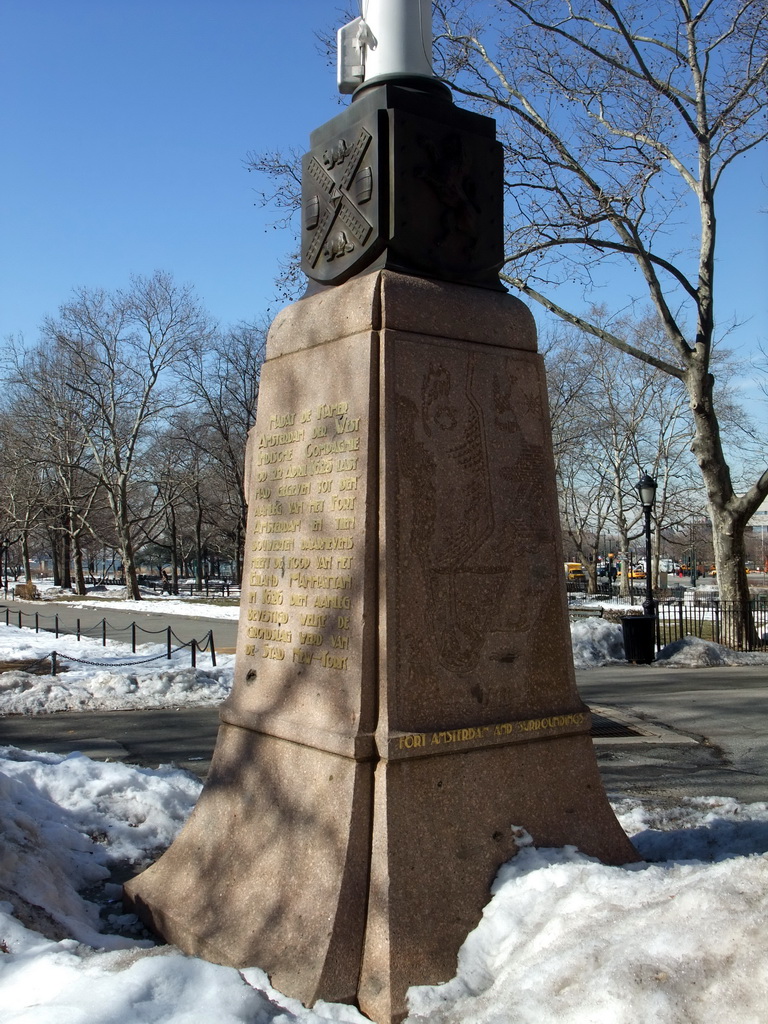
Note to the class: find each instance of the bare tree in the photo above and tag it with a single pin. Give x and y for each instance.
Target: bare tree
(223, 379)
(620, 121)
(115, 353)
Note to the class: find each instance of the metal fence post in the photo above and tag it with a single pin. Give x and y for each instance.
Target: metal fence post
(193, 652)
(169, 642)
(53, 663)
(103, 632)
(56, 625)
(133, 637)
(213, 649)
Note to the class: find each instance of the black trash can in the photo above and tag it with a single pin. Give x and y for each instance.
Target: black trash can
(639, 638)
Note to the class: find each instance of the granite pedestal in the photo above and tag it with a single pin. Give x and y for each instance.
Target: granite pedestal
(404, 698)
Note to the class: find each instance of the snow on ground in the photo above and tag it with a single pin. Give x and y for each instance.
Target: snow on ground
(564, 939)
(681, 939)
(197, 608)
(103, 597)
(111, 680)
(598, 642)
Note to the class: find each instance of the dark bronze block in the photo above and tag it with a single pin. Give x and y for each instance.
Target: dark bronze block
(404, 180)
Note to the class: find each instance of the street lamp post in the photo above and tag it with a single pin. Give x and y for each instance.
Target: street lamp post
(646, 488)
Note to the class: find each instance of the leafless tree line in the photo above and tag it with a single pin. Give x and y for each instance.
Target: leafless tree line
(123, 429)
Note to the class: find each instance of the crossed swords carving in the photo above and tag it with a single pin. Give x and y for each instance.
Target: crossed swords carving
(339, 206)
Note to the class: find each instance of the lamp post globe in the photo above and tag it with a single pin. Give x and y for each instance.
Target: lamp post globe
(646, 489)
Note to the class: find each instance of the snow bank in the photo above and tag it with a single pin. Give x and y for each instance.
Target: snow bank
(95, 677)
(563, 940)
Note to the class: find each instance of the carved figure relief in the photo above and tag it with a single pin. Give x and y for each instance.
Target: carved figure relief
(471, 492)
(448, 173)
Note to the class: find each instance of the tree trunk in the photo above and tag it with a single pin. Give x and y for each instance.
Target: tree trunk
(79, 573)
(119, 503)
(25, 556)
(199, 547)
(239, 555)
(66, 562)
(738, 626)
(174, 551)
(55, 558)
(728, 513)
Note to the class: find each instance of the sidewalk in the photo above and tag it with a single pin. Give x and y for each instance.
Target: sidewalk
(713, 739)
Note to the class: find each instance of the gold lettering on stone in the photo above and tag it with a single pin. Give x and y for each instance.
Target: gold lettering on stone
(285, 437)
(282, 420)
(413, 740)
(262, 615)
(293, 455)
(263, 579)
(313, 639)
(277, 635)
(287, 490)
(269, 458)
(327, 543)
(315, 581)
(334, 661)
(327, 601)
(327, 411)
(275, 653)
(314, 619)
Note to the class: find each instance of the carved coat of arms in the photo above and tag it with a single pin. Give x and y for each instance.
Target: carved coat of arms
(340, 199)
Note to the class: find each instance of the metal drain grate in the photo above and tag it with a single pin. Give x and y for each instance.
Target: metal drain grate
(602, 726)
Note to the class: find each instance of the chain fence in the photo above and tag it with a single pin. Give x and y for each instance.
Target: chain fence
(37, 622)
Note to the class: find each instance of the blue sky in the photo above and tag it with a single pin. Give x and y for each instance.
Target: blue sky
(125, 125)
(124, 128)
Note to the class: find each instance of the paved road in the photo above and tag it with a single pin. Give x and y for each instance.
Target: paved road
(698, 732)
(151, 626)
(723, 710)
(181, 736)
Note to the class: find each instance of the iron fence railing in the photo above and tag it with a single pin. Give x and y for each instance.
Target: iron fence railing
(681, 613)
(714, 620)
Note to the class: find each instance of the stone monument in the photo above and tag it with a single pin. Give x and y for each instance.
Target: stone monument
(404, 698)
